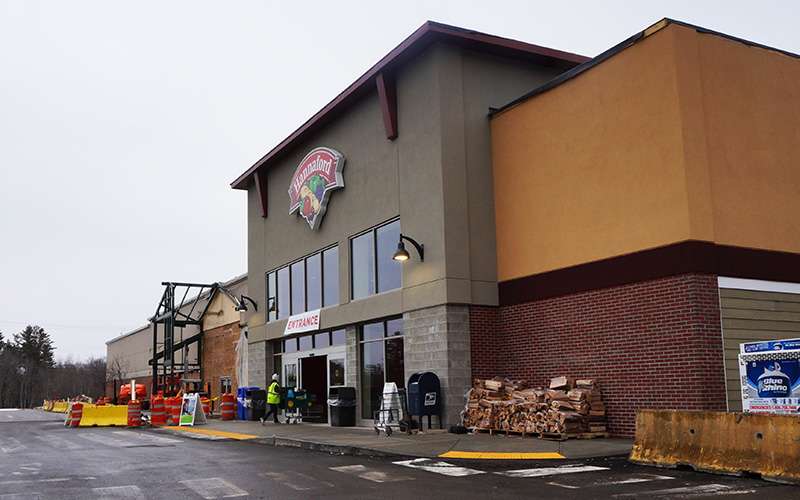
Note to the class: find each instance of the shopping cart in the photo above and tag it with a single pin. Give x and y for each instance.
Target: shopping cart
(392, 411)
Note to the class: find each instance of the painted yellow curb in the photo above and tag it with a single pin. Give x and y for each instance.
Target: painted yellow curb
(208, 432)
(502, 455)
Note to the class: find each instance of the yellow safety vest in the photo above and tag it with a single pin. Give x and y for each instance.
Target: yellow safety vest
(273, 397)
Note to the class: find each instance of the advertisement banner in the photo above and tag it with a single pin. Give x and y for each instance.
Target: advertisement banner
(191, 411)
(770, 378)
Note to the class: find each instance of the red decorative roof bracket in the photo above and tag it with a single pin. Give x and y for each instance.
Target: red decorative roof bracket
(387, 93)
(261, 191)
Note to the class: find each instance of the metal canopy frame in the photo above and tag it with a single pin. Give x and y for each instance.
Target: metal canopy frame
(173, 316)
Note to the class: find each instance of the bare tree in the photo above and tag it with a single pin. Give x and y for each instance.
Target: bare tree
(116, 371)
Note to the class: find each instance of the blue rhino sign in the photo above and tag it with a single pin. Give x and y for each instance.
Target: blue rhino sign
(770, 376)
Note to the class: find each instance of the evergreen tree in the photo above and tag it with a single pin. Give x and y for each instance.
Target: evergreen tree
(35, 347)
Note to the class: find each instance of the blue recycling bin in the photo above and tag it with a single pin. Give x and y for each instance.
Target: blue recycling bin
(241, 398)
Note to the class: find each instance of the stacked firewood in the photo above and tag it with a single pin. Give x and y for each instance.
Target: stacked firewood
(567, 406)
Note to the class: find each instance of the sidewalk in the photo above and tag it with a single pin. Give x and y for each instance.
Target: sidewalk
(430, 444)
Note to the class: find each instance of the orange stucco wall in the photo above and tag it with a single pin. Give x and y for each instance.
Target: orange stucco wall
(681, 136)
(752, 131)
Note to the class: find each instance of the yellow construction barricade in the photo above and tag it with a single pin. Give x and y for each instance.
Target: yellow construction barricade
(103, 416)
(720, 442)
(60, 407)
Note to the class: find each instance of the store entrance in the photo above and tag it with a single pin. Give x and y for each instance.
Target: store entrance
(315, 381)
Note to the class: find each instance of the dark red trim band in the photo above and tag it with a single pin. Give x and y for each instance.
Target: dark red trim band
(261, 192)
(699, 257)
(387, 94)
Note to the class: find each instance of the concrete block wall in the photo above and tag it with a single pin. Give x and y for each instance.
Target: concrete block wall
(257, 364)
(437, 339)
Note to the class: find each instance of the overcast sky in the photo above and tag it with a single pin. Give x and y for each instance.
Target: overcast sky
(123, 123)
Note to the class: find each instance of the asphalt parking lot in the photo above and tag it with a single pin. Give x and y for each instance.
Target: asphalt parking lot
(40, 458)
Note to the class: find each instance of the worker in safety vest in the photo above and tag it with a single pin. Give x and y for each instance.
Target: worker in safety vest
(273, 400)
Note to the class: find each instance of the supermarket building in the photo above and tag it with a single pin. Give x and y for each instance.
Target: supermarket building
(626, 218)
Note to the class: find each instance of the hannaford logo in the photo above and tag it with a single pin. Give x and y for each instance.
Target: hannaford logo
(319, 173)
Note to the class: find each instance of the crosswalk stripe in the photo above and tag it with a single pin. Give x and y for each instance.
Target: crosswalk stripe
(112, 492)
(282, 478)
(375, 476)
(58, 442)
(143, 436)
(689, 491)
(567, 486)
(22, 496)
(10, 445)
(551, 471)
(438, 467)
(106, 440)
(643, 478)
(214, 487)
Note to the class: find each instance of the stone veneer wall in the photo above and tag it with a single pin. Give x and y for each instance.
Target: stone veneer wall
(437, 339)
(257, 364)
(351, 372)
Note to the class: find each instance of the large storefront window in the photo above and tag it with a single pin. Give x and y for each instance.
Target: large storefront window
(372, 268)
(363, 265)
(330, 272)
(304, 285)
(381, 361)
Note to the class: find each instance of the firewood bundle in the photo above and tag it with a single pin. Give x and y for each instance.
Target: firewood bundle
(568, 406)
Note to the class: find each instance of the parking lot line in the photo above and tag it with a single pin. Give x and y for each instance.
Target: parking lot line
(484, 455)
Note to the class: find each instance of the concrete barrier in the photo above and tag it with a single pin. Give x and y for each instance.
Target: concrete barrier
(104, 416)
(60, 407)
(720, 442)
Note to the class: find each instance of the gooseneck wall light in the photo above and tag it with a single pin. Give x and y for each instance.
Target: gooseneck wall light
(402, 255)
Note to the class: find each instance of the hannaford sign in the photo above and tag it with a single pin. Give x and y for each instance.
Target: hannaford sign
(319, 173)
(303, 322)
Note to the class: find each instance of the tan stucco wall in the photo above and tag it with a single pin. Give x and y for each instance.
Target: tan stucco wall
(682, 136)
(436, 176)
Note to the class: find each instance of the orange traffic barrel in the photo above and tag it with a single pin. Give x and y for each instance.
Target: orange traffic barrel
(74, 415)
(158, 413)
(174, 410)
(206, 404)
(228, 406)
(134, 413)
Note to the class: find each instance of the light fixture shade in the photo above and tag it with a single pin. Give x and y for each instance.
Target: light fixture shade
(401, 254)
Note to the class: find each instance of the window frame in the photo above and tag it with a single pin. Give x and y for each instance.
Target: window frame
(375, 286)
(288, 267)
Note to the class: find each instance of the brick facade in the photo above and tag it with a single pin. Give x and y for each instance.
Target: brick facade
(219, 356)
(653, 344)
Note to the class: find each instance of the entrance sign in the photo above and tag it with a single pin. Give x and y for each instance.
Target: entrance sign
(303, 322)
(318, 174)
(191, 411)
(770, 376)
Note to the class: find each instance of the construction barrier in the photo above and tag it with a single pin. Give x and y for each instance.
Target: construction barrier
(206, 404)
(134, 413)
(74, 415)
(158, 412)
(174, 410)
(228, 406)
(720, 442)
(103, 416)
(60, 407)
